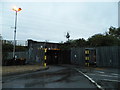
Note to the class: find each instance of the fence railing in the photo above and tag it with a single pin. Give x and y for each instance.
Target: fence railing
(18, 42)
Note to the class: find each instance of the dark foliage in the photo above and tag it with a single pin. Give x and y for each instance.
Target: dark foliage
(110, 38)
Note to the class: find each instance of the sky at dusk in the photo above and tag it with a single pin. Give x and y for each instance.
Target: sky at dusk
(51, 20)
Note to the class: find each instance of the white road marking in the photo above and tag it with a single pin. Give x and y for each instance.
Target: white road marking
(109, 76)
(98, 86)
(99, 72)
(91, 74)
(115, 74)
(111, 80)
(103, 75)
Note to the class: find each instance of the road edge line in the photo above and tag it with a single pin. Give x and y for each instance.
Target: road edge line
(90, 79)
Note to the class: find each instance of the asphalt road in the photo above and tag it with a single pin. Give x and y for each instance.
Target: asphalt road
(108, 78)
(54, 77)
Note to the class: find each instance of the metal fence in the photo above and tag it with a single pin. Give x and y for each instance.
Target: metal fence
(21, 58)
(108, 56)
(77, 56)
(18, 54)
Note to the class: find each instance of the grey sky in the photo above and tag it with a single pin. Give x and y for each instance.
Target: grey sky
(51, 20)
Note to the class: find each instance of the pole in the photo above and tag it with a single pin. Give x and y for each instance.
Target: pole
(15, 34)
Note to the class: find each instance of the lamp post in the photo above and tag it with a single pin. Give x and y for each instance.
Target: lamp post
(16, 11)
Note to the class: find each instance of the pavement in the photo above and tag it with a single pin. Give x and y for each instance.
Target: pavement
(16, 70)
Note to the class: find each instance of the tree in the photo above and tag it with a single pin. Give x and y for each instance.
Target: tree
(110, 38)
(21, 48)
(114, 32)
(95, 40)
(75, 43)
(102, 40)
(68, 36)
(81, 42)
(7, 47)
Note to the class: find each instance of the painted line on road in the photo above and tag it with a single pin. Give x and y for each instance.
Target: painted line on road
(115, 74)
(108, 76)
(99, 72)
(103, 75)
(98, 86)
(110, 80)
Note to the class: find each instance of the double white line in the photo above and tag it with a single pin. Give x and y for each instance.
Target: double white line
(98, 86)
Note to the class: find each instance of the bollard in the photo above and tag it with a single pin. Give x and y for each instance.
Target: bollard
(44, 64)
(45, 57)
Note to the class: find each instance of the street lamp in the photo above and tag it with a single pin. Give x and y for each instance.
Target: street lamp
(16, 10)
